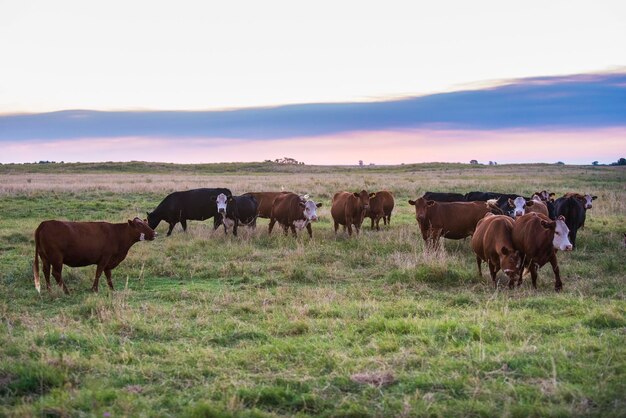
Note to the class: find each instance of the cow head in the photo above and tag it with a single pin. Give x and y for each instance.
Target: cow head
(544, 196)
(510, 261)
(153, 220)
(222, 202)
(364, 198)
(310, 209)
(560, 241)
(519, 206)
(587, 202)
(144, 230)
(421, 208)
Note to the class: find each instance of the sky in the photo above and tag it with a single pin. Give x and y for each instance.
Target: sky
(322, 57)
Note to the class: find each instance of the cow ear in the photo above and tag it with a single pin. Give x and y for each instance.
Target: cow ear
(412, 202)
(301, 203)
(130, 222)
(529, 203)
(148, 214)
(548, 224)
(319, 205)
(355, 194)
(505, 251)
(594, 197)
(430, 203)
(511, 202)
(145, 221)
(230, 198)
(561, 218)
(372, 195)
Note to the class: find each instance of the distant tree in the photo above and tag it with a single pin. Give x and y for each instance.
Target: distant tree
(474, 162)
(595, 163)
(491, 163)
(361, 163)
(560, 163)
(621, 161)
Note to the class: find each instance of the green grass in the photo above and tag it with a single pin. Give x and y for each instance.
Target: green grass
(203, 325)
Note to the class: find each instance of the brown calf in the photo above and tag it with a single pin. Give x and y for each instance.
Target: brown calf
(453, 220)
(349, 209)
(293, 211)
(79, 244)
(493, 243)
(265, 200)
(381, 205)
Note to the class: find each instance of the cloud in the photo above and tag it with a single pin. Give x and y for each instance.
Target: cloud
(581, 101)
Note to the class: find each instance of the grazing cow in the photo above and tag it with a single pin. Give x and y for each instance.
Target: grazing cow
(180, 207)
(538, 238)
(521, 206)
(492, 242)
(381, 206)
(452, 220)
(235, 210)
(79, 244)
(444, 197)
(349, 209)
(265, 201)
(574, 212)
(295, 212)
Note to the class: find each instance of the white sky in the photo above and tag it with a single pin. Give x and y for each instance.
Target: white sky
(121, 55)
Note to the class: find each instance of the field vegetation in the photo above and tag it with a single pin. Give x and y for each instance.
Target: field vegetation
(203, 324)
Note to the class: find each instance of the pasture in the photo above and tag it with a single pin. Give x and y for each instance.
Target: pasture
(203, 324)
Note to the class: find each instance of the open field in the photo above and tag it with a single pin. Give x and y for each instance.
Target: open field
(205, 325)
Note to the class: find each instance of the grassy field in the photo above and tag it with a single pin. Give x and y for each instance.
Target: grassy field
(205, 325)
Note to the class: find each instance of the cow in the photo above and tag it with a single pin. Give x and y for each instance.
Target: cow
(492, 242)
(452, 220)
(545, 196)
(585, 199)
(538, 238)
(293, 212)
(485, 196)
(236, 210)
(265, 201)
(180, 207)
(381, 205)
(349, 209)
(521, 206)
(444, 197)
(574, 212)
(79, 244)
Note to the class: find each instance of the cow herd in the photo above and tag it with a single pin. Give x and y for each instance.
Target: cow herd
(509, 232)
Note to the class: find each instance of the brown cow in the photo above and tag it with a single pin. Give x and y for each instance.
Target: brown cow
(79, 244)
(453, 220)
(493, 243)
(538, 238)
(349, 209)
(293, 211)
(265, 200)
(381, 205)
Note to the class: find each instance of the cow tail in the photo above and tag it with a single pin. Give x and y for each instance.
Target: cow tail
(36, 264)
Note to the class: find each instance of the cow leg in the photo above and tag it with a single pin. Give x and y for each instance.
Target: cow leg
(309, 229)
(272, 223)
(492, 272)
(235, 226)
(378, 224)
(349, 226)
(388, 220)
(56, 272)
(217, 221)
(558, 284)
(46, 273)
(533, 273)
(107, 272)
(372, 223)
(293, 230)
(99, 271)
(183, 222)
(169, 231)
(479, 262)
(286, 229)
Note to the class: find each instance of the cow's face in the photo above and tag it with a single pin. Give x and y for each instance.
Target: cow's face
(510, 261)
(364, 197)
(145, 232)
(222, 201)
(310, 210)
(561, 235)
(519, 206)
(543, 195)
(588, 201)
(421, 208)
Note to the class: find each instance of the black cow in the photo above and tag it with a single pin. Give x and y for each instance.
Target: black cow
(574, 212)
(484, 196)
(180, 207)
(235, 210)
(444, 197)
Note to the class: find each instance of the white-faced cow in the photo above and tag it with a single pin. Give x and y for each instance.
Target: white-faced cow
(538, 238)
(235, 211)
(293, 212)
